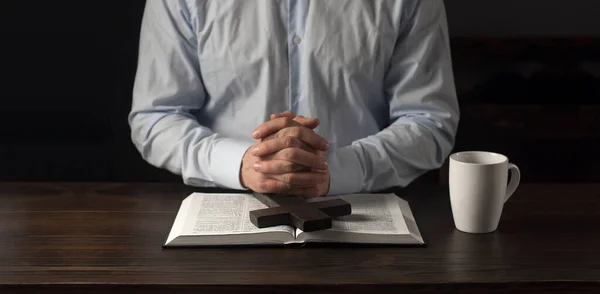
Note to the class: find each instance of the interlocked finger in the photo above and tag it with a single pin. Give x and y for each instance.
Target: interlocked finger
(279, 167)
(299, 157)
(300, 179)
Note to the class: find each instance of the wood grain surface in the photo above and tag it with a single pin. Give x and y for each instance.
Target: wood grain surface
(107, 237)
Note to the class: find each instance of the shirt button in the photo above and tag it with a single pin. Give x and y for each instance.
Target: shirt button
(297, 39)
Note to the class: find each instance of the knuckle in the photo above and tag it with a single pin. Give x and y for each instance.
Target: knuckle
(289, 167)
(295, 131)
(289, 153)
(287, 178)
(289, 141)
(287, 121)
(272, 168)
(272, 187)
(261, 186)
(285, 168)
(282, 187)
(262, 178)
(265, 167)
(270, 137)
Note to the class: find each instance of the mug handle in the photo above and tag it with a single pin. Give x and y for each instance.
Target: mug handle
(515, 178)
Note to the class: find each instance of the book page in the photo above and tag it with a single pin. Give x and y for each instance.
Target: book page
(375, 219)
(371, 214)
(225, 214)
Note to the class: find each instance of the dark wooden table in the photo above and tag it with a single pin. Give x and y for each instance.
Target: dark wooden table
(106, 238)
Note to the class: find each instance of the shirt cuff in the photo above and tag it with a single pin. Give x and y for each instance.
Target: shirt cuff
(226, 160)
(345, 172)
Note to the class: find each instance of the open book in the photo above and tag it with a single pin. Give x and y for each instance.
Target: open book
(223, 219)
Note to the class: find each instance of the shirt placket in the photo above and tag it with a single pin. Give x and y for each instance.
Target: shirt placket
(296, 18)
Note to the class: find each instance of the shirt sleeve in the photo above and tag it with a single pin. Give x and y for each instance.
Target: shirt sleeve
(167, 90)
(424, 111)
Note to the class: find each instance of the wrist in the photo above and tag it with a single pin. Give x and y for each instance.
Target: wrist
(242, 174)
(241, 177)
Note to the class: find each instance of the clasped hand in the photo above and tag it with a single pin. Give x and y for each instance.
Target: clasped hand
(288, 158)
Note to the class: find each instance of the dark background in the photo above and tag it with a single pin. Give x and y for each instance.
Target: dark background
(527, 72)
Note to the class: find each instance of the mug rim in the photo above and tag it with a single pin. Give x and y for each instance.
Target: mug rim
(504, 158)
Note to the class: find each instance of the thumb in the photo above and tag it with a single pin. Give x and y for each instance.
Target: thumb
(287, 113)
(310, 123)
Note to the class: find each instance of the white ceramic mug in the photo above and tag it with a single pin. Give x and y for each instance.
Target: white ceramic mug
(478, 189)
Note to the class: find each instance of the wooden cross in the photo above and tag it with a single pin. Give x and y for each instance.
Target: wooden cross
(297, 212)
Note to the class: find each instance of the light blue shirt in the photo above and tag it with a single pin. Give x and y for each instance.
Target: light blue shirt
(376, 73)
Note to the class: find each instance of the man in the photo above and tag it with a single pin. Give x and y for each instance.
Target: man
(367, 85)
